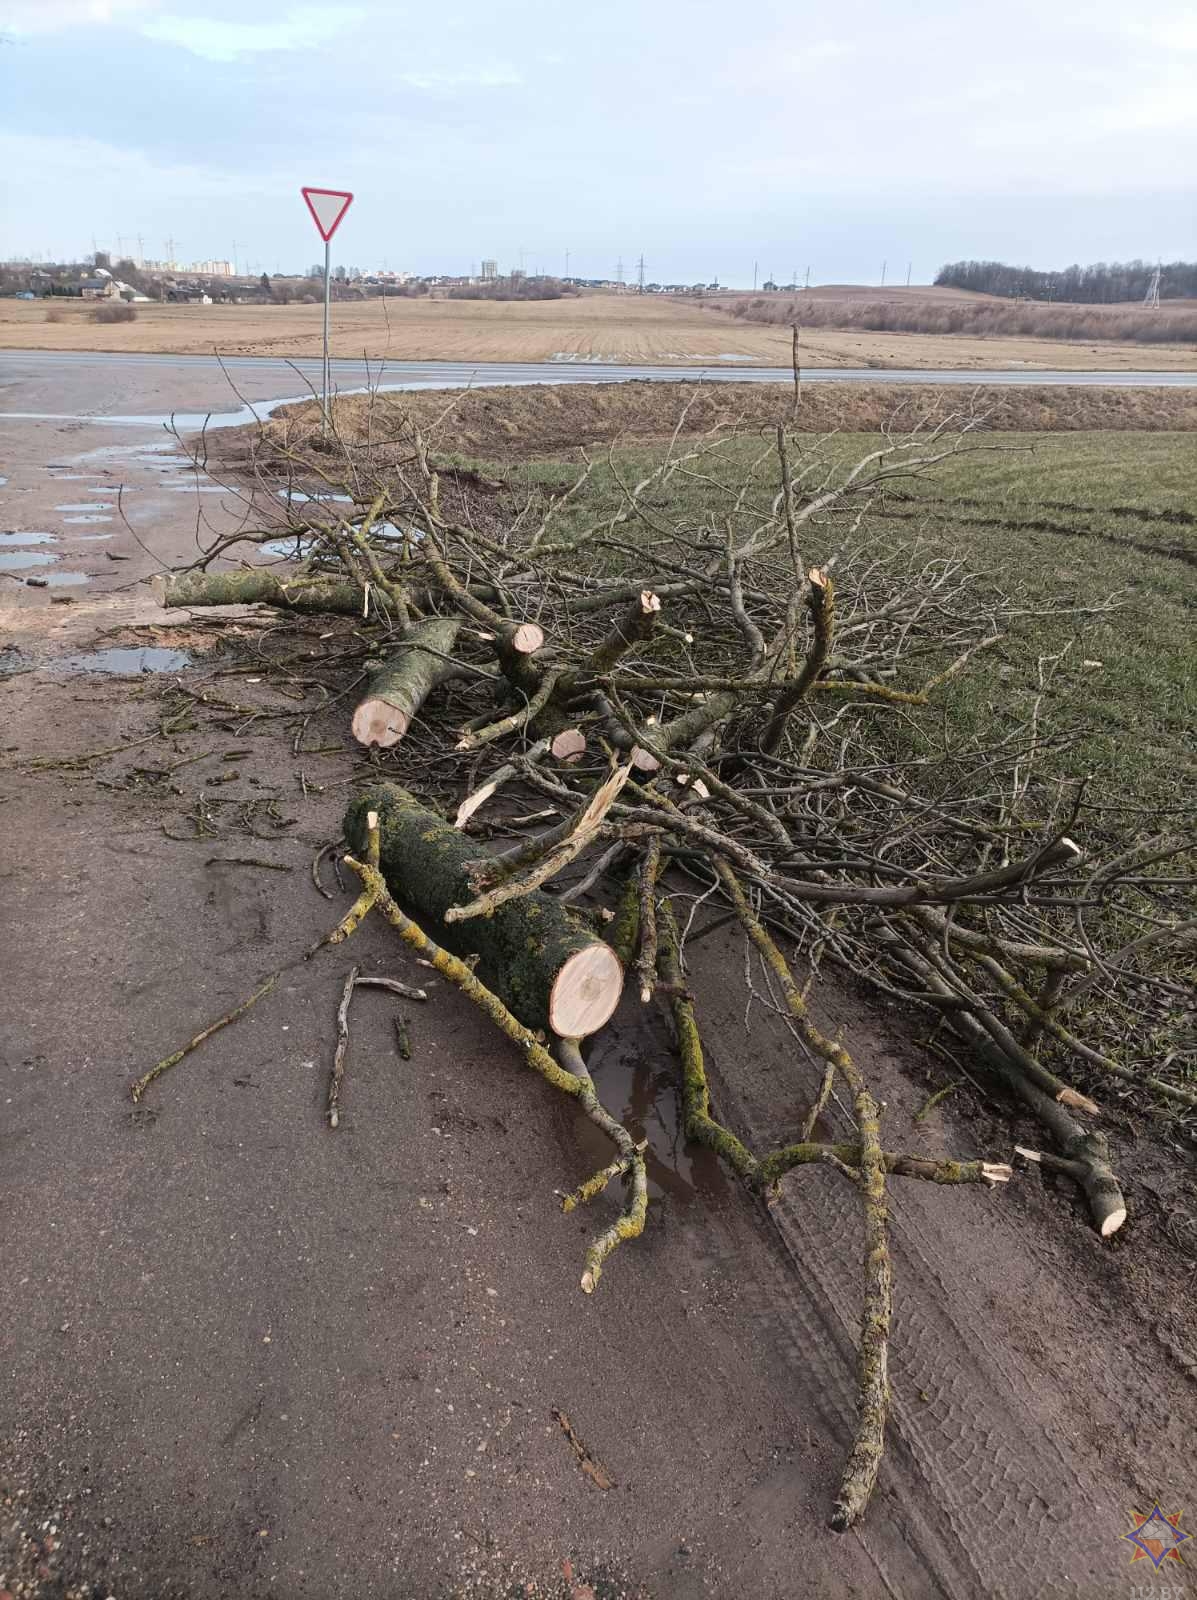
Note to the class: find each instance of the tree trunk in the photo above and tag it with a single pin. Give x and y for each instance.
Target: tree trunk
(400, 687)
(548, 969)
(252, 585)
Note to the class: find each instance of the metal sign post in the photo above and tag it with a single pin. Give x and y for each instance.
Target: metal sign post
(328, 207)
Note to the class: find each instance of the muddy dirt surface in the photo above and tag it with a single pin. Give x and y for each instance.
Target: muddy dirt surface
(246, 1356)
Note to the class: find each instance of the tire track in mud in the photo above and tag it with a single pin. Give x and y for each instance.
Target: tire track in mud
(991, 1463)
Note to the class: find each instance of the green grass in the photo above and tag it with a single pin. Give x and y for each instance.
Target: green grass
(1067, 519)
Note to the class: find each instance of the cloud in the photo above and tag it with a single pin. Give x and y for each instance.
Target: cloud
(217, 40)
(77, 167)
(1167, 33)
(54, 16)
(471, 78)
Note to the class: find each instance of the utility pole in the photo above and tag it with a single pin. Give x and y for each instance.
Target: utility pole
(806, 285)
(140, 251)
(619, 271)
(793, 277)
(884, 264)
(754, 276)
(1151, 299)
(909, 265)
(640, 274)
(567, 264)
(236, 274)
(170, 254)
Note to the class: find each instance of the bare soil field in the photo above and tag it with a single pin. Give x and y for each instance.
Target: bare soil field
(598, 328)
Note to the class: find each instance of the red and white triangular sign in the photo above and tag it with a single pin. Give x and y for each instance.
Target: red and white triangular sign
(327, 206)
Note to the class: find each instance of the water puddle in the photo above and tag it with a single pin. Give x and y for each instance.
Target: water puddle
(66, 580)
(288, 549)
(3, 481)
(89, 538)
(90, 519)
(296, 547)
(13, 661)
(125, 662)
(18, 560)
(299, 496)
(635, 1074)
(87, 505)
(13, 536)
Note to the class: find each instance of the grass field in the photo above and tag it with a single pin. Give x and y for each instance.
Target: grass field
(1060, 520)
(600, 328)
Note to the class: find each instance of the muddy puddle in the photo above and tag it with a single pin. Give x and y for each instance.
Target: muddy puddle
(297, 546)
(126, 661)
(91, 517)
(633, 1070)
(19, 560)
(300, 496)
(289, 549)
(16, 536)
(87, 505)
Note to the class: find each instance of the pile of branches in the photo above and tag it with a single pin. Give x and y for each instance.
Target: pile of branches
(712, 723)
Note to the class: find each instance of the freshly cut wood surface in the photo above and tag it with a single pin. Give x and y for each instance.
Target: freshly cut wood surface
(400, 687)
(549, 969)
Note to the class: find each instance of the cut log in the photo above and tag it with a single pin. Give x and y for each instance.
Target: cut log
(526, 638)
(643, 760)
(551, 971)
(516, 645)
(402, 685)
(569, 746)
(255, 585)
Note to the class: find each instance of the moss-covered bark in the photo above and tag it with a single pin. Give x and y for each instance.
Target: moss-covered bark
(521, 947)
(400, 687)
(255, 584)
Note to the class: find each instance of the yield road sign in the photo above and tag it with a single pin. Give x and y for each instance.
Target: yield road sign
(327, 206)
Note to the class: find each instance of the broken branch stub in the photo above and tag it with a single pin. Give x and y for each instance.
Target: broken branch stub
(548, 968)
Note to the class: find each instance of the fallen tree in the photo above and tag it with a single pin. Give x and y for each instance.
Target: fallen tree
(715, 724)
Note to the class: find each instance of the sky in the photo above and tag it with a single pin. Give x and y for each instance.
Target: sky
(711, 138)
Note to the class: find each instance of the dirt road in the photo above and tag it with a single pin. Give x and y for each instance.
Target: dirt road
(244, 1356)
(602, 329)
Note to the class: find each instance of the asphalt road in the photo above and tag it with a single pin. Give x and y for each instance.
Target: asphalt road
(60, 386)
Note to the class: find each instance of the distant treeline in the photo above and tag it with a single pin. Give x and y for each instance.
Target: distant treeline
(979, 317)
(513, 289)
(1105, 283)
